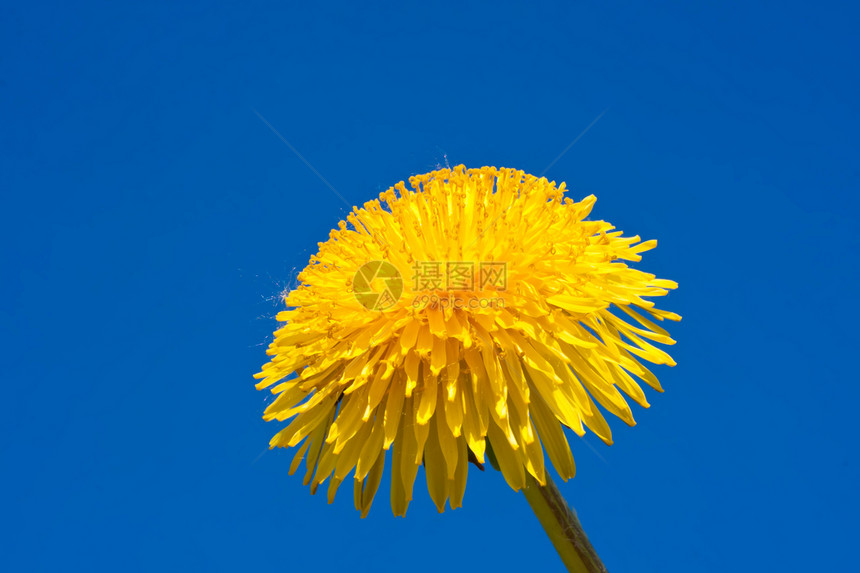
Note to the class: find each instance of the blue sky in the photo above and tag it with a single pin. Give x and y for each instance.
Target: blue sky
(150, 219)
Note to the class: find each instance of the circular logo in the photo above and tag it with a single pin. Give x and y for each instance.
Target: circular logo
(377, 285)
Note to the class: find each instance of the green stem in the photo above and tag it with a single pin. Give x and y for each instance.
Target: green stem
(562, 527)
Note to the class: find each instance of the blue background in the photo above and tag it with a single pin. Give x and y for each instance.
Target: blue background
(150, 220)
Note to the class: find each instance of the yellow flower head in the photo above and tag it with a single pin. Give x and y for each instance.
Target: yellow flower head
(477, 310)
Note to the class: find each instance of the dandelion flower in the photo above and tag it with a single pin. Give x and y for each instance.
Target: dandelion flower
(477, 313)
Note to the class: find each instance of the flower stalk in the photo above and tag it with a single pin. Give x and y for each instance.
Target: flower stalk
(562, 526)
